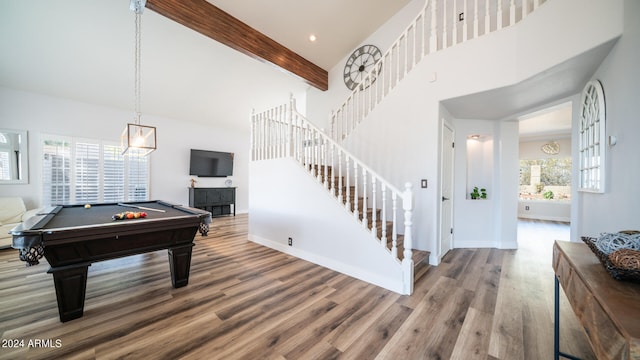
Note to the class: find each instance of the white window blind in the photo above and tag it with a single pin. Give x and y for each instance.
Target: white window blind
(138, 174)
(56, 170)
(84, 171)
(87, 172)
(5, 165)
(114, 179)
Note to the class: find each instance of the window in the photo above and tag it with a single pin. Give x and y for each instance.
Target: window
(546, 179)
(5, 164)
(83, 171)
(591, 138)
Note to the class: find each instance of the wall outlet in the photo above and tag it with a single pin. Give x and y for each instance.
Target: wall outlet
(290, 242)
(526, 208)
(461, 16)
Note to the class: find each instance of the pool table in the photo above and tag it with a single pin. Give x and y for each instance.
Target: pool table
(71, 237)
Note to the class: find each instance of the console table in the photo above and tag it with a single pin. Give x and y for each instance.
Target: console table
(608, 309)
(217, 201)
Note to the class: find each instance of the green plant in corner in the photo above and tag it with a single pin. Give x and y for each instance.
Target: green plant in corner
(483, 193)
(548, 195)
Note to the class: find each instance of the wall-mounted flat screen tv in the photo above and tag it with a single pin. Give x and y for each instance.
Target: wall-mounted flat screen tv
(206, 163)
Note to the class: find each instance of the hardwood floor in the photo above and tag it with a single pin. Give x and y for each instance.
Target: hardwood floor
(245, 301)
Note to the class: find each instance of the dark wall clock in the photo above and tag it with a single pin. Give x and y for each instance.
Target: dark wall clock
(359, 64)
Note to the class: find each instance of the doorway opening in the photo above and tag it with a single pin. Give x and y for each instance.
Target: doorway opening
(545, 166)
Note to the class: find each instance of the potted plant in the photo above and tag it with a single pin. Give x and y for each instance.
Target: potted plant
(478, 193)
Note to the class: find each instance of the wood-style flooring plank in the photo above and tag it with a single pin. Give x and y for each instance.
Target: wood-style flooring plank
(246, 301)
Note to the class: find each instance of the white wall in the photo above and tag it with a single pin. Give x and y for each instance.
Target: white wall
(491, 222)
(41, 114)
(296, 206)
(619, 74)
(321, 103)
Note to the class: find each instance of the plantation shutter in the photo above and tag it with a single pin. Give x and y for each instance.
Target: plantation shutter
(138, 176)
(87, 172)
(56, 171)
(98, 172)
(114, 180)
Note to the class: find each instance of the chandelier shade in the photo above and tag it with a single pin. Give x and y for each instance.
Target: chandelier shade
(138, 139)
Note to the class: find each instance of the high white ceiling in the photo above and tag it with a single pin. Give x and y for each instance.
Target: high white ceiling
(339, 25)
(83, 50)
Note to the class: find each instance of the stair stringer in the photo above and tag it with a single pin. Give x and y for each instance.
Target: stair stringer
(287, 202)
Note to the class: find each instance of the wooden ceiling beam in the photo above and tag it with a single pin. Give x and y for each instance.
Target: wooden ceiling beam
(209, 20)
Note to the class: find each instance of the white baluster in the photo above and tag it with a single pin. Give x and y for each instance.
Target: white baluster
(444, 25)
(340, 198)
(406, 54)
(424, 32)
(348, 188)
(374, 224)
(332, 178)
(355, 193)
(454, 21)
(291, 150)
(512, 13)
(536, 3)
(281, 132)
(365, 221)
(433, 40)
(325, 161)
(251, 135)
(476, 23)
(383, 220)
(397, 66)
(487, 18)
(499, 16)
(332, 116)
(261, 138)
(524, 9)
(414, 46)
(394, 231)
(465, 22)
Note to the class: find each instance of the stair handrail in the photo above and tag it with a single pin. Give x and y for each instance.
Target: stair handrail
(426, 34)
(284, 132)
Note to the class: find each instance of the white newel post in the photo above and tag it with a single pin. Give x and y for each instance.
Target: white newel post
(407, 260)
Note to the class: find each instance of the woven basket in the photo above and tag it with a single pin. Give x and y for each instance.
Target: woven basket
(617, 273)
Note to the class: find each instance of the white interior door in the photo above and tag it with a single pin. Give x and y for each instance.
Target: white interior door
(446, 203)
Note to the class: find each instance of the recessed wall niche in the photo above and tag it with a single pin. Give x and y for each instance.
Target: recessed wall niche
(479, 163)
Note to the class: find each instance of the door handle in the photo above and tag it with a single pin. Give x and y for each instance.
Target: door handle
(445, 198)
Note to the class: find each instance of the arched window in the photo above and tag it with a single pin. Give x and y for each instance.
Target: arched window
(591, 138)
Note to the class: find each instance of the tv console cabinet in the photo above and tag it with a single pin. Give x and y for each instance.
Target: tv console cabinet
(217, 201)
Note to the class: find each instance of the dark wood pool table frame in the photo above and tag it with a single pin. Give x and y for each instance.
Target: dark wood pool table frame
(71, 250)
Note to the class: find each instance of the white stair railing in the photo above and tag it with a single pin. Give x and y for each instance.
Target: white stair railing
(439, 25)
(283, 132)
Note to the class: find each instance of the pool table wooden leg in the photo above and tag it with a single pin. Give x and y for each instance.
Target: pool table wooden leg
(180, 264)
(71, 285)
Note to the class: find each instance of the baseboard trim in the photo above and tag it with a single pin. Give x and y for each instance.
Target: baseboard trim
(387, 283)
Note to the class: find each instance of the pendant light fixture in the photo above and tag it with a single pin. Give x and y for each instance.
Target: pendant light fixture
(137, 139)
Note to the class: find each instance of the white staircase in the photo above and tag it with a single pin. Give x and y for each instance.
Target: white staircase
(383, 210)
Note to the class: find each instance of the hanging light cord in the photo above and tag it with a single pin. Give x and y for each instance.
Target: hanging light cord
(138, 11)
